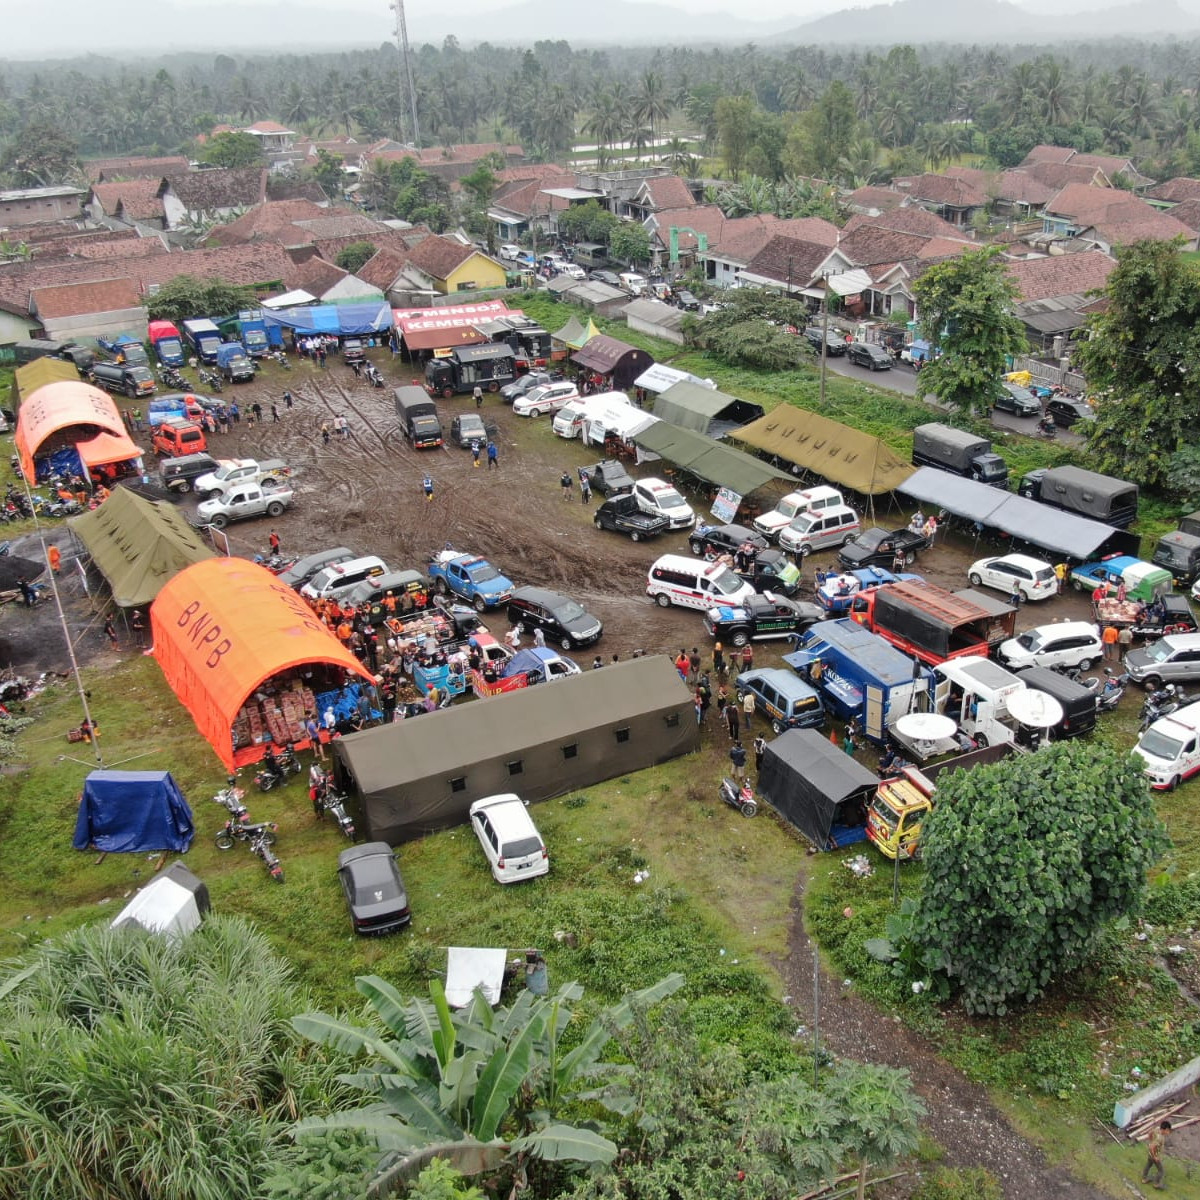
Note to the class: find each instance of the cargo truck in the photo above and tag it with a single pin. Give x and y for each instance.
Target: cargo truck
(203, 337)
(862, 676)
(960, 452)
(465, 367)
(1100, 497)
(249, 328)
(931, 623)
(167, 343)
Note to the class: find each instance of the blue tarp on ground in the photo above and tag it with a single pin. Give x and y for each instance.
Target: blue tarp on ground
(127, 811)
(339, 319)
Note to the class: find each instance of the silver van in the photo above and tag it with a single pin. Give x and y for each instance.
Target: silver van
(820, 529)
(333, 582)
(1172, 659)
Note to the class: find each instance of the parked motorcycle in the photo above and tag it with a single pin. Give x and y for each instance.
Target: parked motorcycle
(281, 358)
(1108, 697)
(741, 798)
(1159, 704)
(232, 798)
(276, 768)
(236, 831)
(260, 845)
(326, 800)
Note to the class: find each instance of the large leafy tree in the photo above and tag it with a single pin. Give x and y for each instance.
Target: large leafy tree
(1143, 364)
(966, 308)
(186, 296)
(40, 155)
(133, 1066)
(629, 243)
(1025, 862)
(751, 330)
(588, 222)
(483, 1089)
(230, 149)
(352, 257)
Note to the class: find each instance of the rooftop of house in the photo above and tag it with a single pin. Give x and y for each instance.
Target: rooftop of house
(383, 268)
(217, 188)
(869, 245)
(1060, 274)
(909, 219)
(316, 276)
(1082, 202)
(439, 257)
(105, 170)
(268, 127)
(335, 224)
(83, 299)
(790, 260)
(880, 198)
(273, 220)
(941, 189)
(666, 191)
(1187, 212)
(17, 195)
(1175, 191)
(1122, 227)
(527, 198)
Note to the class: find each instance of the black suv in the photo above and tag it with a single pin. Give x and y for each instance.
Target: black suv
(354, 349)
(867, 354)
(178, 473)
(560, 618)
(1017, 400)
(609, 477)
(834, 345)
(1066, 411)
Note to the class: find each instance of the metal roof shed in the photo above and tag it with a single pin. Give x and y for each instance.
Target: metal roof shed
(607, 356)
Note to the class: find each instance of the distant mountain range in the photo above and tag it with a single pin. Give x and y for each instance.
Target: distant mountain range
(159, 27)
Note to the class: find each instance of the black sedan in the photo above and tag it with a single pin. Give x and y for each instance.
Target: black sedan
(374, 889)
(878, 548)
(1066, 411)
(867, 354)
(609, 477)
(834, 345)
(714, 540)
(1018, 400)
(560, 618)
(303, 569)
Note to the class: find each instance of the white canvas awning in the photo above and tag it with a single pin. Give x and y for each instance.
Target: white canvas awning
(471, 967)
(850, 283)
(289, 300)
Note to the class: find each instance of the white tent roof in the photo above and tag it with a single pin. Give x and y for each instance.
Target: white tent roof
(289, 299)
(659, 377)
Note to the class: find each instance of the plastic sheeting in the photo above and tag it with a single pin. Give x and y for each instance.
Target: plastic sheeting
(123, 812)
(340, 319)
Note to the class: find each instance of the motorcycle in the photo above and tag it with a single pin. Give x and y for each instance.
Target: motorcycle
(1046, 428)
(232, 797)
(276, 769)
(1109, 696)
(741, 798)
(260, 845)
(326, 800)
(236, 831)
(281, 359)
(1159, 703)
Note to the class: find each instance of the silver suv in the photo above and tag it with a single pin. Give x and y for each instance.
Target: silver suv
(1172, 659)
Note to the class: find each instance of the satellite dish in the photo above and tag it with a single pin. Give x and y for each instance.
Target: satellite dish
(925, 727)
(1034, 709)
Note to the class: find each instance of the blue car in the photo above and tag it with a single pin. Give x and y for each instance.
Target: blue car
(782, 698)
(837, 593)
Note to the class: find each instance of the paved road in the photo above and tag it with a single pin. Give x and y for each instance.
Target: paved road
(903, 379)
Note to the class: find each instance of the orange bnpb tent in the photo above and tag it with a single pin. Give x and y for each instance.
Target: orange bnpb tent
(71, 408)
(223, 627)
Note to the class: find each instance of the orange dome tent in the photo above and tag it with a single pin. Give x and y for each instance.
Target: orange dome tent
(225, 626)
(56, 407)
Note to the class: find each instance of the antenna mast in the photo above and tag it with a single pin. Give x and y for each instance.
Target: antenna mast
(407, 70)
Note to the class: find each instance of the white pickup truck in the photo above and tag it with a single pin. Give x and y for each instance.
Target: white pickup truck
(244, 500)
(233, 471)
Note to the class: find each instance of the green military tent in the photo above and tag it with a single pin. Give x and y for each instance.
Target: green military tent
(704, 409)
(714, 462)
(30, 377)
(423, 774)
(574, 335)
(844, 456)
(138, 545)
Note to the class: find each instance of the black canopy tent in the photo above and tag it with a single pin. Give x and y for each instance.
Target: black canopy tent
(607, 356)
(817, 787)
(1051, 529)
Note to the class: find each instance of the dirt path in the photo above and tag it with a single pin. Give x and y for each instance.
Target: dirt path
(961, 1118)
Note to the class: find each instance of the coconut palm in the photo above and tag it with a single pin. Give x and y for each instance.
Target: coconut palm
(677, 154)
(650, 103)
(1055, 91)
(859, 166)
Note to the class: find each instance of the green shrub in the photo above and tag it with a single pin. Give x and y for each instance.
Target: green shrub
(960, 1183)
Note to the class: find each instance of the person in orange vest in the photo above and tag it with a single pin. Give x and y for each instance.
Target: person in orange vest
(345, 631)
(54, 557)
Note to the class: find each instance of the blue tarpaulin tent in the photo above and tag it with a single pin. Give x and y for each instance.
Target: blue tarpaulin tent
(339, 319)
(125, 811)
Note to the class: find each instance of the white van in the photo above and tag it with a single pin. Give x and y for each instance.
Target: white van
(694, 583)
(332, 583)
(633, 283)
(792, 505)
(570, 419)
(660, 499)
(974, 692)
(1171, 748)
(819, 529)
(511, 843)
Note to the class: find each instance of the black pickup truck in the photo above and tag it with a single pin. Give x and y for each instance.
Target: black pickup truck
(622, 514)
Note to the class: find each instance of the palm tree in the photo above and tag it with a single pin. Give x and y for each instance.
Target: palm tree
(1141, 107)
(246, 100)
(859, 166)
(678, 155)
(795, 92)
(481, 1089)
(1055, 91)
(650, 103)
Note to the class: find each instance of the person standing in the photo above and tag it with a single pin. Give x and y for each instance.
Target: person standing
(274, 542)
(1111, 637)
(325, 432)
(585, 489)
(257, 410)
(478, 396)
(274, 414)
(54, 557)
(1060, 573)
(475, 448)
(427, 484)
(733, 720)
(1124, 641)
(1156, 1145)
(138, 626)
(682, 664)
(748, 709)
(565, 484)
(110, 632)
(719, 661)
(539, 637)
(287, 400)
(235, 412)
(747, 658)
(704, 696)
(760, 750)
(848, 741)
(694, 666)
(737, 757)
(493, 455)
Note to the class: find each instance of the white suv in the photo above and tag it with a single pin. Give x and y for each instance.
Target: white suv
(1034, 578)
(660, 499)
(792, 505)
(818, 529)
(548, 398)
(1064, 644)
(510, 840)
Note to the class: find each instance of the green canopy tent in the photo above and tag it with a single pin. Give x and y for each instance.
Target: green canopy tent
(574, 335)
(827, 448)
(714, 462)
(138, 545)
(693, 406)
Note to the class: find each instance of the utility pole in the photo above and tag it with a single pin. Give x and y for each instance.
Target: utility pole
(406, 71)
(824, 339)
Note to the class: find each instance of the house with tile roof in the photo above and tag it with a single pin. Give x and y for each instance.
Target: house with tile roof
(1060, 274)
(953, 199)
(870, 201)
(29, 206)
(1174, 191)
(272, 137)
(384, 270)
(271, 221)
(786, 264)
(1187, 212)
(741, 239)
(1111, 165)
(660, 192)
(109, 170)
(450, 266)
(104, 203)
(218, 194)
(524, 204)
(103, 308)
(1109, 217)
(910, 218)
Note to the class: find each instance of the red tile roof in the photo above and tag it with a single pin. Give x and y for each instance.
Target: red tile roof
(106, 169)
(788, 260)
(1082, 202)
(438, 257)
(110, 195)
(529, 171)
(336, 223)
(941, 189)
(267, 127)
(881, 198)
(270, 221)
(83, 299)
(1176, 190)
(1187, 212)
(668, 191)
(870, 246)
(382, 268)
(1060, 275)
(909, 219)
(525, 198)
(127, 248)
(217, 188)
(1122, 227)
(1044, 153)
(316, 276)
(1058, 175)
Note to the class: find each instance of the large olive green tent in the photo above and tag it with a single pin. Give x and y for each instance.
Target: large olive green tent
(138, 545)
(423, 774)
(704, 409)
(714, 462)
(30, 377)
(844, 456)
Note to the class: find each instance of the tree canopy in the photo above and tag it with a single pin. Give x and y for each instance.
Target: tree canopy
(1025, 861)
(965, 305)
(629, 243)
(1142, 364)
(229, 149)
(352, 257)
(186, 296)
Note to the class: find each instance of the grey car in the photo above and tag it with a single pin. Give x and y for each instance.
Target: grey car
(1172, 659)
(867, 354)
(1018, 400)
(468, 427)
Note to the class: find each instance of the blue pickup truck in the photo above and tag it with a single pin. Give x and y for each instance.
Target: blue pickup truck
(471, 578)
